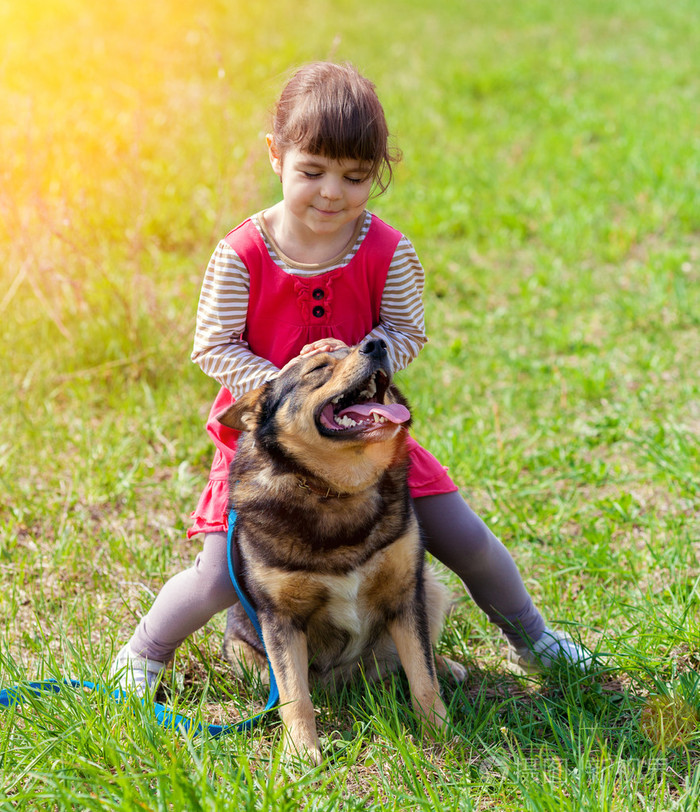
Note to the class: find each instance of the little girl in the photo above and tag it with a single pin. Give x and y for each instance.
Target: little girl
(313, 273)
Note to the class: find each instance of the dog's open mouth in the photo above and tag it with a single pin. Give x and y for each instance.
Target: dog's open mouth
(363, 408)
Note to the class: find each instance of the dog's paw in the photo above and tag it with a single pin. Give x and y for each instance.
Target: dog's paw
(302, 743)
(294, 753)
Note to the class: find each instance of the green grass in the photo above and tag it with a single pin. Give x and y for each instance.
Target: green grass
(550, 184)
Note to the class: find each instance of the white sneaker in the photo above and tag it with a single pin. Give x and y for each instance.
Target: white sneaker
(550, 650)
(136, 674)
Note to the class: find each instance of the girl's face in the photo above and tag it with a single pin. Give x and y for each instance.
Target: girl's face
(320, 194)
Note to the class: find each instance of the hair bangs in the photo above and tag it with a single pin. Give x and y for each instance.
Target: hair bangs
(339, 132)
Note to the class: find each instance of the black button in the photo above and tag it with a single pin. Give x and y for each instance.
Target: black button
(318, 311)
(318, 293)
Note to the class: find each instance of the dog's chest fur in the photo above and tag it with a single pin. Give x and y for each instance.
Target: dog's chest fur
(345, 615)
(343, 606)
(346, 618)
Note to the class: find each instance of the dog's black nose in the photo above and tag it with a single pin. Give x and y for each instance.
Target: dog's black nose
(375, 348)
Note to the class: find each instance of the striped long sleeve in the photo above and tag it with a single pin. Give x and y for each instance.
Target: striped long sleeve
(401, 316)
(219, 347)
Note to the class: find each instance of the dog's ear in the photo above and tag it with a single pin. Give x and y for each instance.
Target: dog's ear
(243, 415)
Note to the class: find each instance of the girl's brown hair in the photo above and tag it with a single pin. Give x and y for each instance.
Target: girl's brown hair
(331, 110)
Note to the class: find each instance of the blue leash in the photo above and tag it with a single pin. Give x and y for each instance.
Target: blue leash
(274, 697)
(10, 697)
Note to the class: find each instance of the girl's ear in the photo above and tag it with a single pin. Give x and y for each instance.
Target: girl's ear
(275, 159)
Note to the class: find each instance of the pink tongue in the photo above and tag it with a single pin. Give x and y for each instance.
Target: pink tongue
(394, 412)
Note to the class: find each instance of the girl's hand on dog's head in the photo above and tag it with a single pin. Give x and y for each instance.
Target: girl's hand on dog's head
(322, 345)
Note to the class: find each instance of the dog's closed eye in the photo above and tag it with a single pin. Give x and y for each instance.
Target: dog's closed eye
(317, 368)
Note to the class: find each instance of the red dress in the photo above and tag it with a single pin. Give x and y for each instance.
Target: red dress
(285, 312)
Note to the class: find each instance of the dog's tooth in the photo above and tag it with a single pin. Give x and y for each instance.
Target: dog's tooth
(371, 389)
(336, 400)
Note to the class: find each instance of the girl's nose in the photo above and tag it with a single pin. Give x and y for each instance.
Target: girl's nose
(331, 188)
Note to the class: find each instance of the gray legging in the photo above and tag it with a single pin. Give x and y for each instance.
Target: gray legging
(454, 534)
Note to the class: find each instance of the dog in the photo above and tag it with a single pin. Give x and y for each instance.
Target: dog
(326, 539)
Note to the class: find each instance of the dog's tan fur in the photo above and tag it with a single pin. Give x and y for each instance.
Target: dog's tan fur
(329, 545)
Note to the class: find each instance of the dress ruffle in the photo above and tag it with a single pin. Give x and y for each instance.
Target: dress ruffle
(211, 514)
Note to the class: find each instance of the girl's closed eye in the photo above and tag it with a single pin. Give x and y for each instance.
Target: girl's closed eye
(316, 175)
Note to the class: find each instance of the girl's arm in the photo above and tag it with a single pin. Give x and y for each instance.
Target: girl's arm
(401, 316)
(221, 319)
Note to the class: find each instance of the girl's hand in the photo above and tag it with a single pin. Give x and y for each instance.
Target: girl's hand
(322, 345)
